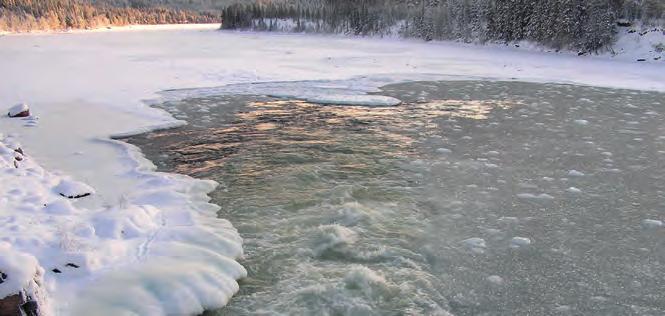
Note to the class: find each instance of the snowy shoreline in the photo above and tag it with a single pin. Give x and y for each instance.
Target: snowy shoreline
(85, 87)
(121, 28)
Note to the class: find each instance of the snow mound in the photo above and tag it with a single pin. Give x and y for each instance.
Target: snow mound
(73, 189)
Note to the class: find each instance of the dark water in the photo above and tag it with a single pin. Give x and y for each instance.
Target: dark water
(471, 198)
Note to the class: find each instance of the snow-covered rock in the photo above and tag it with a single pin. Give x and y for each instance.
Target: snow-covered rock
(19, 110)
(21, 279)
(73, 189)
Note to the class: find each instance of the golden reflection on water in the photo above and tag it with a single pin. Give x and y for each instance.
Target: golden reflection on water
(273, 136)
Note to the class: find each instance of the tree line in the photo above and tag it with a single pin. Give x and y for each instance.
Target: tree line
(26, 15)
(585, 25)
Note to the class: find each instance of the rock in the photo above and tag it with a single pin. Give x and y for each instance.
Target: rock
(19, 305)
(11, 305)
(19, 110)
(624, 23)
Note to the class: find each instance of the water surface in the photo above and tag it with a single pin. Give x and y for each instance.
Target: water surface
(471, 198)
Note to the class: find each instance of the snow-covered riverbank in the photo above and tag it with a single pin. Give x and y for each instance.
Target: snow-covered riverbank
(146, 239)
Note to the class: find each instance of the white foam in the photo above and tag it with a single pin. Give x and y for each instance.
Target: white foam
(333, 238)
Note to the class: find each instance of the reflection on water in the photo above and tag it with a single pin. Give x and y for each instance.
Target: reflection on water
(471, 198)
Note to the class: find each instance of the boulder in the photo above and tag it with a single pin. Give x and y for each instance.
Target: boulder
(624, 23)
(11, 305)
(19, 110)
(19, 305)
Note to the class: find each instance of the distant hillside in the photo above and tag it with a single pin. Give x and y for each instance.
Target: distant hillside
(26, 15)
(584, 25)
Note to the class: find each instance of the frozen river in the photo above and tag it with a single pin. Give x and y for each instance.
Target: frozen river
(470, 198)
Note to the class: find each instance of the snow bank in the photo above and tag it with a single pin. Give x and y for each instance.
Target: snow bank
(160, 251)
(646, 44)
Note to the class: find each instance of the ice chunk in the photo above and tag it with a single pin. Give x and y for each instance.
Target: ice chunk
(530, 196)
(652, 223)
(343, 99)
(495, 279)
(518, 242)
(475, 244)
(575, 173)
(573, 190)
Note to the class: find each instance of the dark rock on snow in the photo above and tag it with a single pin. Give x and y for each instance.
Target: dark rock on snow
(19, 110)
(19, 305)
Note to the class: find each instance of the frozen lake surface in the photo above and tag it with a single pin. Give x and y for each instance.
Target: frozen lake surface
(469, 198)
